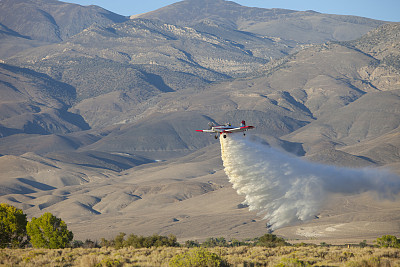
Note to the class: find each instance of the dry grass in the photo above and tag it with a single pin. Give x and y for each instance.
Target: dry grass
(235, 256)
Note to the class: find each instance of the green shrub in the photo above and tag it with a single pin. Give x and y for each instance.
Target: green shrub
(198, 257)
(324, 244)
(292, 262)
(107, 262)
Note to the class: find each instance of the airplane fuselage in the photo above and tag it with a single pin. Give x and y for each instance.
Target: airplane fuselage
(227, 128)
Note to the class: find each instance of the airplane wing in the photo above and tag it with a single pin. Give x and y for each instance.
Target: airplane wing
(247, 127)
(239, 129)
(205, 131)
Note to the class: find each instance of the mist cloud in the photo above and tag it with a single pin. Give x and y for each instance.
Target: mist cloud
(287, 189)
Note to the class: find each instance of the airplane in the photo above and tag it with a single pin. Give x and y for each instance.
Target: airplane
(226, 128)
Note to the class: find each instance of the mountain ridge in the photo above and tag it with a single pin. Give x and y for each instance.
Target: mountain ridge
(39, 22)
(264, 21)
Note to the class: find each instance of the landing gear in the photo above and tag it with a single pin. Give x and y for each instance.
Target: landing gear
(216, 136)
(224, 135)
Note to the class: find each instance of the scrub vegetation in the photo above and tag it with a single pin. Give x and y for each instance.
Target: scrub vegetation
(301, 255)
(54, 247)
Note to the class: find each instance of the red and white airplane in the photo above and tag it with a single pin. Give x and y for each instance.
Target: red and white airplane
(226, 128)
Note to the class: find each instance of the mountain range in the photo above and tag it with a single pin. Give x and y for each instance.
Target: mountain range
(98, 111)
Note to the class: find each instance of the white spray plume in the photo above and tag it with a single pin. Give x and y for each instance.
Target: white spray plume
(287, 189)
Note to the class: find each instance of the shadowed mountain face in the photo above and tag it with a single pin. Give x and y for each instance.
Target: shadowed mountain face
(34, 103)
(97, 122)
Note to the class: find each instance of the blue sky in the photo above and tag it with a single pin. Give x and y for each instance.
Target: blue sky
(388, 10)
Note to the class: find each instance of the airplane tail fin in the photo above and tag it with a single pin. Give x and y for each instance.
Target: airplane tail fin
(243, 124)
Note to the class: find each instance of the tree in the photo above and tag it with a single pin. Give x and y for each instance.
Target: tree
(388, 241)
(363, 244)
(140, 241)
(12, 227)
(119, 241)
(215, 242)
(48, 231)
(270, 240)
(192, 244)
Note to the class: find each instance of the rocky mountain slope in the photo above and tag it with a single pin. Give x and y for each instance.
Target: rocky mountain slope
(37, 22)
(301, 26)
(97, 122)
